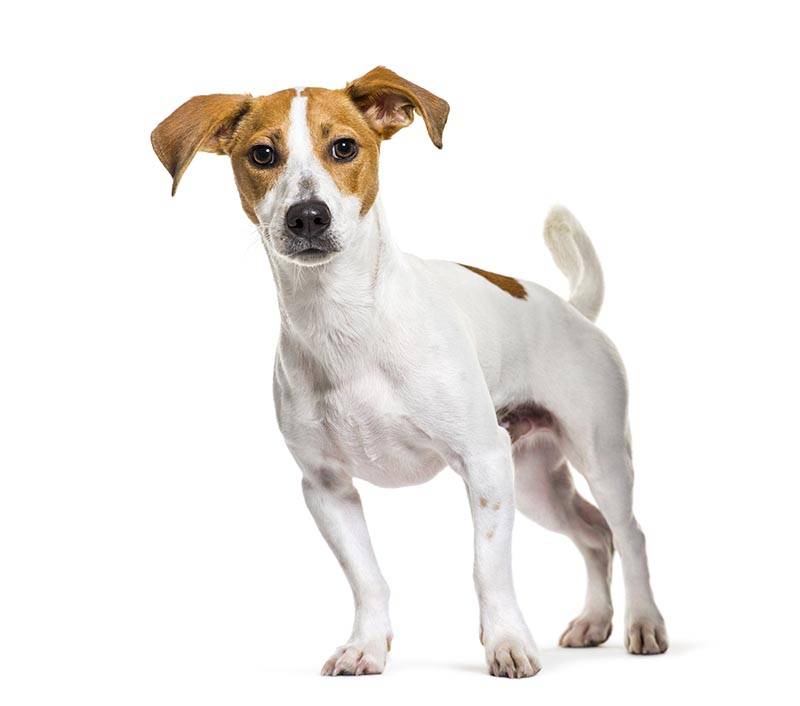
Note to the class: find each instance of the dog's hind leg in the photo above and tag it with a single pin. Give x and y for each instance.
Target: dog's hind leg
(546, 494)
(605, 461)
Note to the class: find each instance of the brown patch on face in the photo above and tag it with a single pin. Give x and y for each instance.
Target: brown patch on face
(227, 124)
(370, 109)
(203, 123)
(507, 284)
(483, 502)
(266, 123)
(332, 116)
(389, 101)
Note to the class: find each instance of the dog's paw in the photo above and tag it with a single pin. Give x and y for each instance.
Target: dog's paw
(586, 631)
(646, 636)
(358, 657)
(512, 657)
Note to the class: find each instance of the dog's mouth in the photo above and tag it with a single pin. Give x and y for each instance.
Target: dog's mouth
(313, 255)
(312, 251)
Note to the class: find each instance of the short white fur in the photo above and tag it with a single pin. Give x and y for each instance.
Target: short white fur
(390, 368)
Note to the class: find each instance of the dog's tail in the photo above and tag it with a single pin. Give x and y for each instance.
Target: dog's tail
(576, 258)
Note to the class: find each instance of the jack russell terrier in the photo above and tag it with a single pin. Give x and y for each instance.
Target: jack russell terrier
(390, 367)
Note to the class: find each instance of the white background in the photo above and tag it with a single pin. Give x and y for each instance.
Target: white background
(155, 548)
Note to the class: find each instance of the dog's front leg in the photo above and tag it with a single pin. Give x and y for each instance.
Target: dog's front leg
(510, 649)
(336, 506)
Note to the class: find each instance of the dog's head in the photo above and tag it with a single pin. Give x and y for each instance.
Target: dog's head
(305, 160)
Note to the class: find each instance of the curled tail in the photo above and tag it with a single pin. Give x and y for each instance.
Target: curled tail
(575, 256)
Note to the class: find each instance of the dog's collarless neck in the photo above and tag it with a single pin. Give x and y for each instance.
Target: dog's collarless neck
(341, 298)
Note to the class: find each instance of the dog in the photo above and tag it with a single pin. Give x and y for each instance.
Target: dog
(390, 367)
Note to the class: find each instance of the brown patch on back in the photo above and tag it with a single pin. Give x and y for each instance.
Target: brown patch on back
(507, 284)
(483, 502)
(332, 116)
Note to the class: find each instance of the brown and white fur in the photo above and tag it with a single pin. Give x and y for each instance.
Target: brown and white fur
(390, 367)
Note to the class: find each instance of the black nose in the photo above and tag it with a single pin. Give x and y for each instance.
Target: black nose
(308, 218)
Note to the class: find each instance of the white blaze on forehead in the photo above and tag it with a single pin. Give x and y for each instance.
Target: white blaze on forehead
(301, 152)
(304, 177)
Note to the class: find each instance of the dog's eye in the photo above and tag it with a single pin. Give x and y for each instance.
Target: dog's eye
(262, 156)
(344, 150)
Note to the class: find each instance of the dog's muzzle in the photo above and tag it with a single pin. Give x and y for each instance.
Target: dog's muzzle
(309, 224)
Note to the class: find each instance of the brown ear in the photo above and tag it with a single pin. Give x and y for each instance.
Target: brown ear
(202, 123)
(388, 103)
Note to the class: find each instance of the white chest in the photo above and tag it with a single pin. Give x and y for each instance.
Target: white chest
(361, 427)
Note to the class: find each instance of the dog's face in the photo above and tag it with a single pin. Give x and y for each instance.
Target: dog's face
(305, 160)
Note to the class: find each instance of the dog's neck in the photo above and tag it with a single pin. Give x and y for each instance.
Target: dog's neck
(336, 304)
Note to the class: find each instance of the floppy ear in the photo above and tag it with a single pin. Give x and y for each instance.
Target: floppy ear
(388, 103)
(202, 123)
